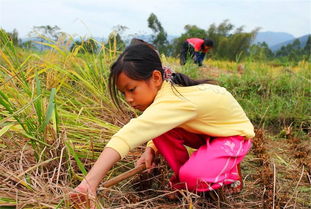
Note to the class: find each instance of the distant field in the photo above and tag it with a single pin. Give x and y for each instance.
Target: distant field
(56, 117)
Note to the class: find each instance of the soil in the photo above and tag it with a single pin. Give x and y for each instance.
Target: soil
(276, 174)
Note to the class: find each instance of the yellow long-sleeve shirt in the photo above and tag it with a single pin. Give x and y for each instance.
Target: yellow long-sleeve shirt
(202, 109)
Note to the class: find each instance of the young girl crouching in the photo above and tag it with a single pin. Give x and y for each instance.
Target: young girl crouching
(176, 111)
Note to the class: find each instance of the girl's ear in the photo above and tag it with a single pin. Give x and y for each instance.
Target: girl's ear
(157, 77)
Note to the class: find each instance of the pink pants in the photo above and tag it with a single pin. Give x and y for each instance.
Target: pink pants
(211, 166)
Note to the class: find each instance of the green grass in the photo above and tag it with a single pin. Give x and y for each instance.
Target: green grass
(43, 95)
(273, 99)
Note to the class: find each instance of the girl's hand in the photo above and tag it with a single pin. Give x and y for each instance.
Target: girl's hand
(148, 158)
(83, 196)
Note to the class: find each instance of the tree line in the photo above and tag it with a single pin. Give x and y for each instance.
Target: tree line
(231, 42)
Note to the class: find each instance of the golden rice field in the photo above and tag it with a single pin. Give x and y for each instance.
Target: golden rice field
(56, 117)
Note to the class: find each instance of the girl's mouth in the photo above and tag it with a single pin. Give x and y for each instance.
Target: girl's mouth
(138, 107)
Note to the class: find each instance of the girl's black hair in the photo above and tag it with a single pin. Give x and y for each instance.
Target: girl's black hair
(138, 61)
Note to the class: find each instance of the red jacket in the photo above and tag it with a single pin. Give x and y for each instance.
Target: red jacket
(196, 43)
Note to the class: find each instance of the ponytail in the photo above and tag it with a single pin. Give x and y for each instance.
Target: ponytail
(183, 80)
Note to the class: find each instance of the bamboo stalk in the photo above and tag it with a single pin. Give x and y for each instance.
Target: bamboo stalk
(125, 175)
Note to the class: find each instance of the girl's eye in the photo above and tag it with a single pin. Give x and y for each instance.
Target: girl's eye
(132, 89)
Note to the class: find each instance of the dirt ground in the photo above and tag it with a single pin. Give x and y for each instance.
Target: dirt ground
(276, 173)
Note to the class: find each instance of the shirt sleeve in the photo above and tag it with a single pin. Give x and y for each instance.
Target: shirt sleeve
(158, 118)
(151, 145)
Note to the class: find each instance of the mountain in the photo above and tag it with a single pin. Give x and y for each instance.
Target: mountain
(303, 40)
(273, 38)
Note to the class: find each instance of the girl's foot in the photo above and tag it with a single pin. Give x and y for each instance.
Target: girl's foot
(236, 186)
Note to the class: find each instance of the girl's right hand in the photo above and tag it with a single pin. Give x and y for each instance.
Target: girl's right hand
(148, 158)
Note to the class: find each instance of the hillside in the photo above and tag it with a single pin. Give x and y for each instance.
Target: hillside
(272, 38)
(303, 40)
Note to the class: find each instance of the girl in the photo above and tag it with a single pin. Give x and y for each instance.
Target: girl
(177, 111)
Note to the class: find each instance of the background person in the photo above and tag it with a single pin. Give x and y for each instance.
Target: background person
(195, 48)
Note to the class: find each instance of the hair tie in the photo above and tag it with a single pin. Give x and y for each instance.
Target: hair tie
(168, 74)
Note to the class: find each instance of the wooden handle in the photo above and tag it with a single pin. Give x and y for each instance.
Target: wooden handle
(125, 175)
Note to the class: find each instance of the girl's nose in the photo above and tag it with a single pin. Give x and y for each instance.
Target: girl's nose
(129, 99)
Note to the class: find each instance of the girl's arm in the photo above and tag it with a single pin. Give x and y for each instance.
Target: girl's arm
(103, 164)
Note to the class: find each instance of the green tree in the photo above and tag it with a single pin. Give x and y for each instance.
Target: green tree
(87, 46)
(238, 45)
(261, 52)
(12, 36)
(115, 42)
(159, 38)
(27, 45)
(45, 34)
(50, 32)
(296, 52)
(229, 43)
(290, 52)
(307, 49)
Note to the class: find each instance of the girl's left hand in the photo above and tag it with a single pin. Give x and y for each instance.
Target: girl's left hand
(148, 158)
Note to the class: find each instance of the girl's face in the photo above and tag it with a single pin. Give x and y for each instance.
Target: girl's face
(140, 94)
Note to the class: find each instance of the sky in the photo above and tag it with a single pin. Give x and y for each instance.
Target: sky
(97, 18)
